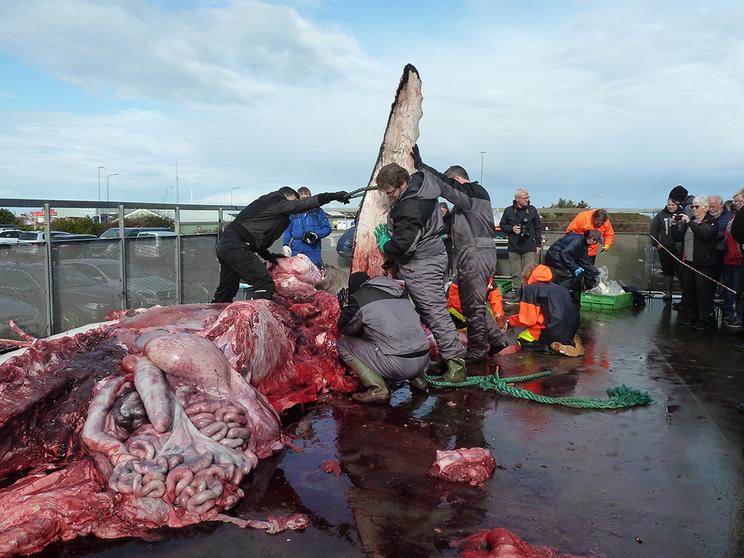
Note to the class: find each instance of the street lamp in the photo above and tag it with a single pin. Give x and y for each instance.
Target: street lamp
(107, 184)
(98, 210)
(231, 191)
(483, 153)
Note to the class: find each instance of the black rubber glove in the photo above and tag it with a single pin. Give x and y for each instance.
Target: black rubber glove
(417, 161)
(343, 196)
(269, 256)
(343, 297)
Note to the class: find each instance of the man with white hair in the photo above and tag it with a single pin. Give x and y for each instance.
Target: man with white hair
(522, 223)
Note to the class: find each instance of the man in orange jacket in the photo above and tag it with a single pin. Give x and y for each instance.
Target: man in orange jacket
(547, 316)
(594, 219)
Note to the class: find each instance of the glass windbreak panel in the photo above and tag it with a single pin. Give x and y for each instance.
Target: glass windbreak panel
(87, 281)
(200, 267)
(151, 269)
(199, 222)
(22, 289)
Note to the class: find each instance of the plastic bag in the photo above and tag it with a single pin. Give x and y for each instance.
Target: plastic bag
(605, 286)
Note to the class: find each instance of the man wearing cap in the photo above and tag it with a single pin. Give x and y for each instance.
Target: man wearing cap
(381, 335)
(252, 233)
(305, 231)
(683, 199)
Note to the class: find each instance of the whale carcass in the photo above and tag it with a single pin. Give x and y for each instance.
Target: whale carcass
(154, 419)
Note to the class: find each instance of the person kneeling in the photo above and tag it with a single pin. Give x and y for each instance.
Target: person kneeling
(547, 315)
(382, 338)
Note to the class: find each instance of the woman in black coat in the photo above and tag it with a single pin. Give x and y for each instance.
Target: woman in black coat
(699, 237)
(661, 231)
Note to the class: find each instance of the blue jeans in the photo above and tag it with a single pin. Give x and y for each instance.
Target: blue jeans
(730, 277)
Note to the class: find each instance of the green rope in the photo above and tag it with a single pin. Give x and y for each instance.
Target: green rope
(619, 397)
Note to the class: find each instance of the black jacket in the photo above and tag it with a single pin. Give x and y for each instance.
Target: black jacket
(414, 220)
(262, 222)
(529, 220)
(661, 228)
(737, 227)
(705, 237)
(568, 253)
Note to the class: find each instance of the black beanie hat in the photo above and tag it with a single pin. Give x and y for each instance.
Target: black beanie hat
(356, 280)
(678, 194)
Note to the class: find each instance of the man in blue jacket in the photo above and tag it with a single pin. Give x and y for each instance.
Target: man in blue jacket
(305, 231)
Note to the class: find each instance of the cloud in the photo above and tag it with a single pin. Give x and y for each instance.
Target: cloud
(611, 99)
(236, 53)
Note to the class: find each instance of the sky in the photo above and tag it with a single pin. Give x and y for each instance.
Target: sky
(610, 102)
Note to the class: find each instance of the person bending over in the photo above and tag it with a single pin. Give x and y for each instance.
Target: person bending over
(251, 235)
(381, 336)
(570, 263)
(547, 316)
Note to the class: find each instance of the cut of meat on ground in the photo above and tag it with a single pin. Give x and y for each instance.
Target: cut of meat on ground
(331, 466)
(501, 543)
(401, 134)
(467, 465)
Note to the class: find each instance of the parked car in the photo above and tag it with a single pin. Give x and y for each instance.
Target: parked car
(150, 244)
(27, 237)
(131, 232)
(8, 227)
(10, 236)
(143, 289)
(80, 299)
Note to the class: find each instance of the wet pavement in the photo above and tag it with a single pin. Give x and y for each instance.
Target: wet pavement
(658, 481)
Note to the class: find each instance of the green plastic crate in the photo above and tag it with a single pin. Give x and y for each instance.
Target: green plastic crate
(606, 302)
(503, 283)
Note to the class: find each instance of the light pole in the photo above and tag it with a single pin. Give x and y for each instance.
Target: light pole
(231, 191)
(107, 184)
(483, 153)
(98, 210)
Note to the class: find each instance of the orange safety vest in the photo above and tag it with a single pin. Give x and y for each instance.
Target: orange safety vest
(495, 302)
(583, 222)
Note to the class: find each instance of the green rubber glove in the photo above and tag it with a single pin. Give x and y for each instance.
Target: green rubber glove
(382, 236)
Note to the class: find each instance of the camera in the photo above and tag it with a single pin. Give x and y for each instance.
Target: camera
(524, 233)
(675, 218)
(310, 237)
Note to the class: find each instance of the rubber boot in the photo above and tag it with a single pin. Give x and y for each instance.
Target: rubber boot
(377, 390)
(668, 284)
(419, 384)
(575, 350)
(455, 371)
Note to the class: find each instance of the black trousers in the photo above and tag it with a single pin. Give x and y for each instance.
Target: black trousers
(697, 292)
(238, 261)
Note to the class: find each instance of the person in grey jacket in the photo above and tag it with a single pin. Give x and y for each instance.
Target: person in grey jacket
(411, 239)
(521, 223)
(475, 254)
(381, 335)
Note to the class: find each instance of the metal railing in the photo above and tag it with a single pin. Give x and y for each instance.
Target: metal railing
(185, 267)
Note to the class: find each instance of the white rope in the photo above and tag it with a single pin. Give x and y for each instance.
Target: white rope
(692, 268)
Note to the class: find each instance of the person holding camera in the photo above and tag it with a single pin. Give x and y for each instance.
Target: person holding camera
(522, 223)
(666, 246)
(305, 231)
(699, 238)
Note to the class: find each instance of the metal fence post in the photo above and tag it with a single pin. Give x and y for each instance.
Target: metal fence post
(179, 287)
(123, 258)
(48, 270)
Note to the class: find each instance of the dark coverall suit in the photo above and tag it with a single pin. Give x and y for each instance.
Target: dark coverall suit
(565, 256)
(474, 249)
(415, 225)
(250, 235)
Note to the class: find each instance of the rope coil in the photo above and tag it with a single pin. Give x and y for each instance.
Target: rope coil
(621, 397)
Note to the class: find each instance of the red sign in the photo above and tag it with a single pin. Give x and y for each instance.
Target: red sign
(40, 213)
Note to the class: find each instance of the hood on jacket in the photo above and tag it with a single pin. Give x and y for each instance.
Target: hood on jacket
(386, 284)
(541, 273)
(422, 187)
